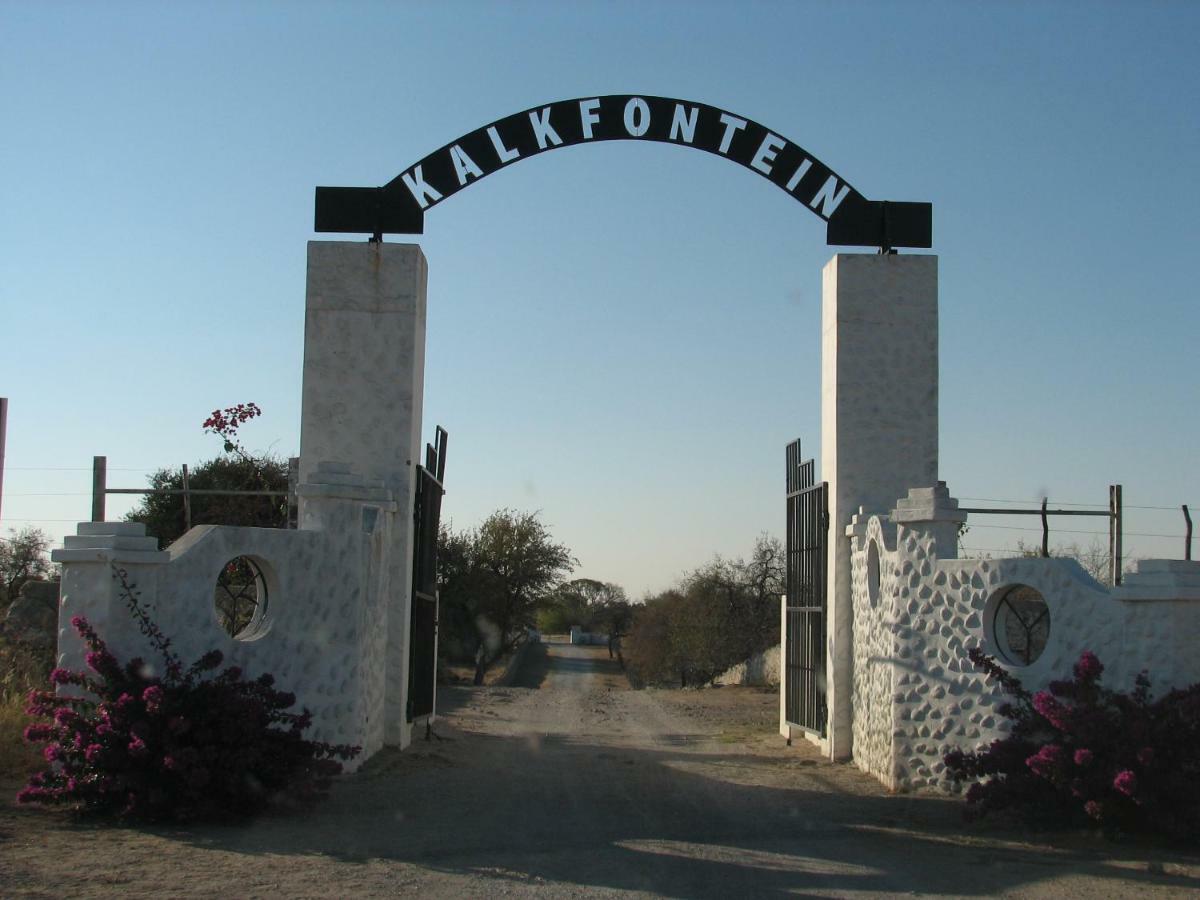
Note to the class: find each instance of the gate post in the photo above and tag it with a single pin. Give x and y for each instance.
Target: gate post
(364, 378)
(879, 423)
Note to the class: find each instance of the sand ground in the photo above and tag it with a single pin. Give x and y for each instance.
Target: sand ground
(570, 784)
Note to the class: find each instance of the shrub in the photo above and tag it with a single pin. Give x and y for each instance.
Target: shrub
(172, 743)
(1081, 753)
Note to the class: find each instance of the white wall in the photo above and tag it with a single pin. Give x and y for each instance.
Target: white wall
(916, 694)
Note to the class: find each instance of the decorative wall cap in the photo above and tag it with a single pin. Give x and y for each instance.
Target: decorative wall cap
(109, 542)
(931, 504)
(125, 529)
(1160, 579)
(859, 522)
(109, 555)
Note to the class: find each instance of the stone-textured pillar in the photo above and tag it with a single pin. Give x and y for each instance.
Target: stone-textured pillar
(879, 422)
(90, 589)
(364, 374)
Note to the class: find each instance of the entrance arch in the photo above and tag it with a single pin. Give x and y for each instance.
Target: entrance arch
(399, 206)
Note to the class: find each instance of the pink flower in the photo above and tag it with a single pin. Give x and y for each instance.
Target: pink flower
(64, 716)
(38, 732)
(1089, 666)
(60, 676)
(1125, 782)
(137, 748)
(52, 752)
(1049, 708)
(1093, 809)
(153, 697)
(92, 752)
(1046, 760)
(1083, 757)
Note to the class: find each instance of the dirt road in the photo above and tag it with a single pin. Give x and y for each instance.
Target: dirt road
(570, 784)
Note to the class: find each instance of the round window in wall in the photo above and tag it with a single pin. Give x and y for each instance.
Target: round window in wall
(1020, 624)
(873, 572)
(241, 598)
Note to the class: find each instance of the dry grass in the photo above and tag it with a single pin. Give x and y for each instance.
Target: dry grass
(22, 668)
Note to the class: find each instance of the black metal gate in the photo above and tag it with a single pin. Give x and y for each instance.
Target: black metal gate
(804, 653)
(427, 513)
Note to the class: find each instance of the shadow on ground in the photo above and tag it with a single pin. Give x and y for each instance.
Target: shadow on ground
(658, 820)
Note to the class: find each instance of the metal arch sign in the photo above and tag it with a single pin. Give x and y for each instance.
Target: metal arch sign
(399, 206)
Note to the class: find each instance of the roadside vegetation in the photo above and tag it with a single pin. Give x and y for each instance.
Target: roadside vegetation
(24, 665)
(718, 615)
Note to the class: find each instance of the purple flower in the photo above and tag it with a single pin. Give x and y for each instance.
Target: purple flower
(1146, 756)
(153, 697)
(1089, 666)
(1125, 782)
(64, 716)
(38, 732)
(78, 622)
(1083, 757)
(92, 752)
(1050, 709)
(1046, 760)
(60, 676)
(137, 748)
(52, 752)
(124, 700)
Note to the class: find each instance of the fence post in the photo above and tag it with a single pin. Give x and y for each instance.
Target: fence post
(99, 486)
(293, 514)
(3, 429)
(1045, 530)
(187, 501)
(1115, 551)
(1187, 541)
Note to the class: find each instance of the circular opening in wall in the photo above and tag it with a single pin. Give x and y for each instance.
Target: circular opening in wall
(1020, 624)
(241, 598)
(873, 572)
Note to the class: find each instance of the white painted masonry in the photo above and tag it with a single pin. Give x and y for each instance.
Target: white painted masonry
(336, 627)
(879, 423)
(916, 694)
(363, 388)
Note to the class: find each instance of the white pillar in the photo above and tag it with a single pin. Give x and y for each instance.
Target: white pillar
(364, 378)
(879, 422)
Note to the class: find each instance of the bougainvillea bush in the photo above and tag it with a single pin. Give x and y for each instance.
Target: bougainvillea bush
(165, 742)
(1081, 753)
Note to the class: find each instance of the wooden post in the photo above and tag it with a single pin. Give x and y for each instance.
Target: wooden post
(3, 430)
(1187, 517)
(187, 501)
(99, 485)
(293, 514)
(1114, 533)
(1045, 531)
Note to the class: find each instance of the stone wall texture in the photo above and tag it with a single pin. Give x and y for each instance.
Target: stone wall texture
(916, 694)
(320, 634)
(759, 670)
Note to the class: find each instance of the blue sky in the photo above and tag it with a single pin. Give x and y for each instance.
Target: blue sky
(625, 335)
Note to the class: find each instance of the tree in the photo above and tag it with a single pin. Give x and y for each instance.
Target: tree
(23, 558)
(163, 514)
(719, 615)
(591, 604)
(496, 578)
(238, 470)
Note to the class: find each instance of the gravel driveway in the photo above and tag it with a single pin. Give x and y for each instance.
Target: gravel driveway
(570, 784)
